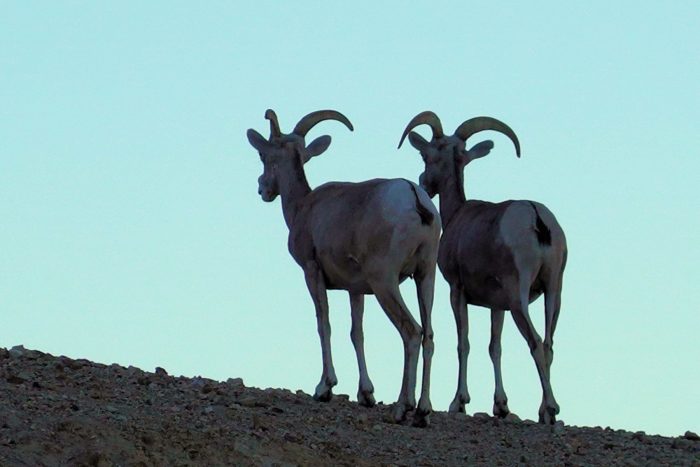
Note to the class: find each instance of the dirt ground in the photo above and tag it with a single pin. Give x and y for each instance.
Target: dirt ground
(61, 411)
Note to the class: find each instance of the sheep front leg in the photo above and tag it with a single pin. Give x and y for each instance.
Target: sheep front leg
(317, 289)
(459, 308)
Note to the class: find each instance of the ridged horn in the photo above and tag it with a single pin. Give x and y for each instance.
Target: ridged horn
(310, 120)
(477, 124)
(274, 123)
(424, 118)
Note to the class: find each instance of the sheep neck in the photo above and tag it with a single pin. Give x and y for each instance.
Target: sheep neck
(293, 188)
(452, 197)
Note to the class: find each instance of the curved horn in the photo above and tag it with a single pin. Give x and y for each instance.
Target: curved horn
(274, 124)
(477, 124)
(310, 120)
(424, 118)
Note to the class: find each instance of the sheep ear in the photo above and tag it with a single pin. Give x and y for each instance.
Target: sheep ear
(479, 150)
(417, 141)
(317, 147)
(258, 141)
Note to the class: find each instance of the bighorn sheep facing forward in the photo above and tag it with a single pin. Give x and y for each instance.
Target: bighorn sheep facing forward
(365, 238)
(498, 255)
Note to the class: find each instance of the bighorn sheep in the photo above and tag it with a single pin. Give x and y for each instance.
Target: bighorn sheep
(497, 255)
(365, 238)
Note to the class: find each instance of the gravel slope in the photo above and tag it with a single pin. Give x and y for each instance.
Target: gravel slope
(61, 411)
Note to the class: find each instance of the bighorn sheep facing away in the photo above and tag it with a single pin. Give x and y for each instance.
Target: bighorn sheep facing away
(497, 255)
(365, 238)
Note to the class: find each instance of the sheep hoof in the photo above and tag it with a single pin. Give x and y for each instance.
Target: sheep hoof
(421, 419)
(366, 399)
(398, 414)
(323, 395)
(500, 409)
(457, 405)
(548, 415)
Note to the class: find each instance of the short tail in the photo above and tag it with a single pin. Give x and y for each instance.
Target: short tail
(426, 215)
(544, 235)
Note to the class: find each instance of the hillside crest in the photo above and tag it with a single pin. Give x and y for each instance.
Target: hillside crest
(60, 410)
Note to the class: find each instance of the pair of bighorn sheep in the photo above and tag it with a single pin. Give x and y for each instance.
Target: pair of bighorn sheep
(368, 237)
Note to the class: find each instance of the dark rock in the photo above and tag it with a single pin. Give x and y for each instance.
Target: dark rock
(682, 443)
(17, 351)
(15, 379)
(143, 380)
(70, 363)
(148, 439)
(235, 382)
(248, 401)
(558, 428)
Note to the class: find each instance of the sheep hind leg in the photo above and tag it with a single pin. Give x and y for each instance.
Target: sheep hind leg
(500, 400)
(389, 297)
(365, 391)
(425, 287)
(552, 306)
(549, 408)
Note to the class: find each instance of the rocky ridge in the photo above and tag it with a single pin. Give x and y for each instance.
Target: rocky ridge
(63, 411)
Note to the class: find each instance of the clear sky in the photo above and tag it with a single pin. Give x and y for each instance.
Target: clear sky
(131, 230)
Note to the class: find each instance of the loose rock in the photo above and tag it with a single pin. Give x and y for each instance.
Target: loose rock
(85, 413)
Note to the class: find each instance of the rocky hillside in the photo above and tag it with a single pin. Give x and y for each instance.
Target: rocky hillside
(61, 411)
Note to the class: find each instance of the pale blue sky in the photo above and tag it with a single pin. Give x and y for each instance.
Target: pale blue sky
(132, 231)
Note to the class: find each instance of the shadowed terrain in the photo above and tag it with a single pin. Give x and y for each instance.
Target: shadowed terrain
(63, 411)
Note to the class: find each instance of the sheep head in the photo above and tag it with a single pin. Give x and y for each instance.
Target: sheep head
(286, 153)
(446, 156)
